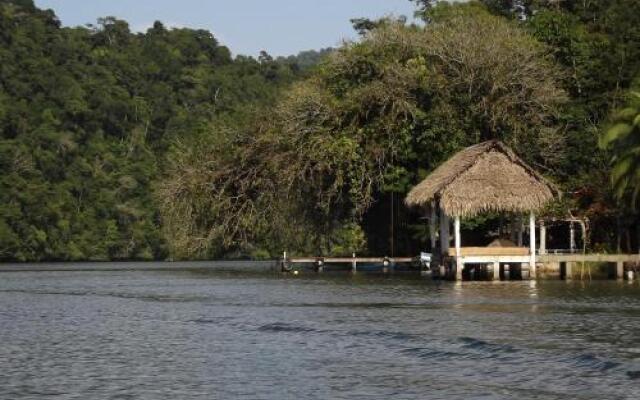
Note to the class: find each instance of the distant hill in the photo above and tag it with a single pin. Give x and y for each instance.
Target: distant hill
(87, 116)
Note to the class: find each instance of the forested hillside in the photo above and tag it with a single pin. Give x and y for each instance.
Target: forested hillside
(87, 116)
(155, 145)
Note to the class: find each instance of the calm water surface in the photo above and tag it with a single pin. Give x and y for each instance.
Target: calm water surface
(196, 335)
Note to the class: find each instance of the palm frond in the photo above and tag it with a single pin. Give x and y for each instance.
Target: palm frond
(614, 134)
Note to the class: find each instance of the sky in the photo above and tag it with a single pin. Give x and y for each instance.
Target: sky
(281, 27)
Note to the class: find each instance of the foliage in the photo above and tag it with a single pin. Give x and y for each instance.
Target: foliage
(122, 145)
(598, 44)
(623, 139)
(86, 118)
(356, 131)
(306, 60)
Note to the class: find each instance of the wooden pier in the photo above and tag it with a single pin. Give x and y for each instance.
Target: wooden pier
(566, 263)
(357, 260)
(496, 266)
(319, 263)
(563, 266)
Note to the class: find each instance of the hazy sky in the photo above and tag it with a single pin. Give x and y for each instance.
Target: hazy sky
(281, 27)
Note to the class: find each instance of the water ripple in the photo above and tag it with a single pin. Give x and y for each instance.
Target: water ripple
(163, 335)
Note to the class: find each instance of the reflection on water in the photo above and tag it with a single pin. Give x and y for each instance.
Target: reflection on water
(196, 335)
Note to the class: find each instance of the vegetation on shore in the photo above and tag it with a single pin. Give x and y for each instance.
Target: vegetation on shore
(123, 145)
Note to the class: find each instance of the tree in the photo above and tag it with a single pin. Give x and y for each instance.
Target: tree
(623, 140)
(86, 119)
(355, 135)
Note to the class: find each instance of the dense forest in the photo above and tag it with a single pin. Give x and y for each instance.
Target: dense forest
(120, 145)
(88, 116)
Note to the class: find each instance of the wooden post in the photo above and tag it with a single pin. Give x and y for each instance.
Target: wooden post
(568, 270)
(354, 267)
(459, 264)
(444, 232)
(583, 235)
(457, 236)
(619, 270)
(532, 245)
(543, 238)
(496, 270)
(284, 261)
(432, 226)
(572, 238)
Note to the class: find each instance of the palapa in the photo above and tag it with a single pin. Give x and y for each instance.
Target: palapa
(485, 177)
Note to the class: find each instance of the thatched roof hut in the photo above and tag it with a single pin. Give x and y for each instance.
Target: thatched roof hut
(485, 177)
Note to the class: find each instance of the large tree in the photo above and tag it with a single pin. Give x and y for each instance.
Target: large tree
(374, 118)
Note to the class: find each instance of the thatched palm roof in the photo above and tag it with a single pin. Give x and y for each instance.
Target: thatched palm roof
(485, 177)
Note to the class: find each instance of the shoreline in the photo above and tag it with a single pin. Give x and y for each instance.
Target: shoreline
(80, 266)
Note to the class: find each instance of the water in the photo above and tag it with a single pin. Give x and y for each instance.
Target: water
(197, 335)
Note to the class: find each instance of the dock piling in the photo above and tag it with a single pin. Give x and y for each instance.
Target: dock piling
(619, 270)
(320, 265)
(568, 270)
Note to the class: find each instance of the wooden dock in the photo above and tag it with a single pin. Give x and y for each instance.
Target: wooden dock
(590, 257)
(357, 260)
(561, 265)
(565, 263)
(319, 263)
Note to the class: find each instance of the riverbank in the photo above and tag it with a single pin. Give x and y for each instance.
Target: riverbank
(235, 265)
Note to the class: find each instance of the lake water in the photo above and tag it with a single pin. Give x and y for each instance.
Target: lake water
(198, 335)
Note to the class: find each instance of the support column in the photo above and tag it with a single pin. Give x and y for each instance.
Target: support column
(459, 268)
(496, 270)
(432, 226)
(459, 264)
(543, 238)
(532, 245)
(568, 270)
(444, 233)
(619, 270)
(457, 236)
(354, 264)
(572, 238)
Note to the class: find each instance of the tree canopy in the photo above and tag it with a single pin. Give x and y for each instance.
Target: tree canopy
(376, 115)
(162, 144)
(86, 118)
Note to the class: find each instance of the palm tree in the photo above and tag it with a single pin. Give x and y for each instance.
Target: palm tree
(623, 140)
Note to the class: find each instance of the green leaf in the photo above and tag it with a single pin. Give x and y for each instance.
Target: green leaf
(616, 133)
